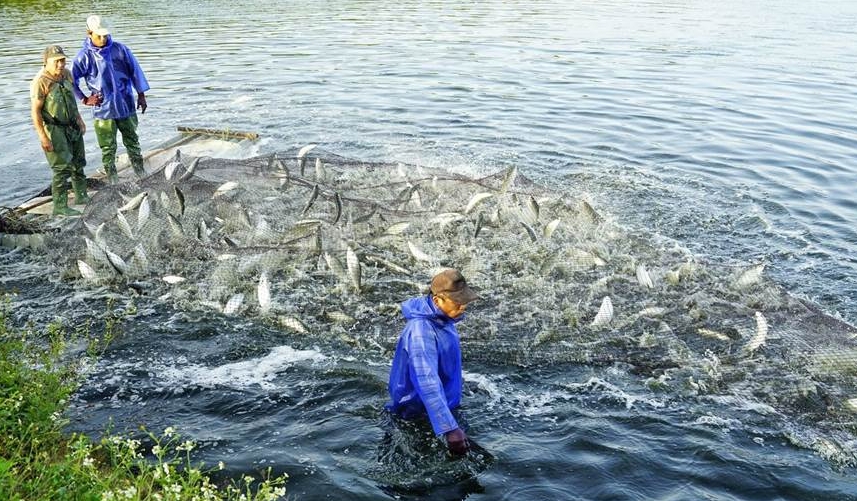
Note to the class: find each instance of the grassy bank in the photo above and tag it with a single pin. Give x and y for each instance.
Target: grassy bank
(39, 461)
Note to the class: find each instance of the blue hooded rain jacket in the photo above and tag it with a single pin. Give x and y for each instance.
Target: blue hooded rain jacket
(426, 373)
(113, 72)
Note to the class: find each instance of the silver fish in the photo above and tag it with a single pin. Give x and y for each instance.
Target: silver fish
(263, 293)
(476, 200)
(760, 336)
(123, 225)
(446, 218)
(190, 170)
(173, 279)
(334, 266)
(140, 256)
(143, 213)
(532, 209)
(180, 198)
(340, 317)
(86, 271)
(643, 277)
(302, 157)
(224, 188)
(165, 200)
(387, 264)
(170, 169)
(530, 231)
(713, 334)
(319, 170)
(202, 232)
(95, 252)
(292, 323)
(233, 304)
(312, 196)
(354, 268)
(511, 174)
(750, 277)
(175, 225)
(397, 228)
(116, 262)
(550, 228)
(337, 203)
(418, 254)
(480, 222)
(605, 313)
(591, 215)
(133, 203)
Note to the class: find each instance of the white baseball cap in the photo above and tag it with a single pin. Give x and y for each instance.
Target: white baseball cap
(95, 24)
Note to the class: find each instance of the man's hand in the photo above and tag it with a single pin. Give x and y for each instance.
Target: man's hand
(141, 102)
(46, 143)
(457, 442)
(93, 100)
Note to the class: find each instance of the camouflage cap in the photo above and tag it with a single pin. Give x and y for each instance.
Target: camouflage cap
(53, 52)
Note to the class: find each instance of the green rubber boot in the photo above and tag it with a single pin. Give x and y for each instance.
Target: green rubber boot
(80, 195)
(61, 207)
(112, 176)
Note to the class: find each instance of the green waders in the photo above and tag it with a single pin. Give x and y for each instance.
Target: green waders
(105, 131)
(68, 157)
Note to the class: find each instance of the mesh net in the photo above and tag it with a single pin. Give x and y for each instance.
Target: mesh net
(327, 247)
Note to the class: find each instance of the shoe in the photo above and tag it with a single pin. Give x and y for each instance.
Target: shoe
(65, 211)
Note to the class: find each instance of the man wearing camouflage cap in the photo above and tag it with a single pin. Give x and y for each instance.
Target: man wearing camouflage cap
(60, 129)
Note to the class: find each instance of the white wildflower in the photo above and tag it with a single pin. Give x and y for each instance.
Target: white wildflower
(169, 431)
(88, 462)
(220, 465)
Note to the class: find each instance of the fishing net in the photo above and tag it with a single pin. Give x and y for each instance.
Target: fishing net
(326, 248)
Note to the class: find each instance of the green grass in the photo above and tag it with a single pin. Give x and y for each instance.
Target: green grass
(40, 461)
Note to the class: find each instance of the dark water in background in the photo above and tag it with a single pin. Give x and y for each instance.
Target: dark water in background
(727, 126)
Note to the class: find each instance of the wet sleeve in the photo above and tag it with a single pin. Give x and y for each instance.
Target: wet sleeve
(136, 72)
(424, 373)
(77, 72)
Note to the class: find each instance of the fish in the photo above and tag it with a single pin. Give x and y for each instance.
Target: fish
(550, 228)
(140, 255)
(292, 323)
(233, 304)
(339, 317)
(760, 336)
(263, 293)
(605, 313)
(165, 200)
(337, 203)
(123, 225)
(851, 404)
(480, 222)
(202, 232)
(397, 228)
(531, 209)
(224, 188)
(175, 225)
(530, 231)
(509, 179)
(86, 271)
(230, 242)
(319, 170)
(143, 213)
(133, 203)
(173, 279)
(418, 254)
(652, 311)
(446, 218)
(302, 157)
(180, 198)
(170, 169)
(713, 334)
(643, 277)
(95, 252)
(116, 262)
(354, 269)
(476, 200)
(591, 215)
(750, 276)
(334, 266)
(190, 170)
(387, 264)
(312, 196)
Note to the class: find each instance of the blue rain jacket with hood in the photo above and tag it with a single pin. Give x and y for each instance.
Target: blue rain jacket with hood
(426, 374)
(113, 72)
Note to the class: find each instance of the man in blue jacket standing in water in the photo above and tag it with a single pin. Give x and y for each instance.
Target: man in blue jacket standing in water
(426, 375)
(111, 74)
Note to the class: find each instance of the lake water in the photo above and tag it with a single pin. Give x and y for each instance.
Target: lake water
(728, 127)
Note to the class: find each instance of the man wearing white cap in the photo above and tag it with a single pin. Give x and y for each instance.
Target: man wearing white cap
(60, 129)
(111, 73)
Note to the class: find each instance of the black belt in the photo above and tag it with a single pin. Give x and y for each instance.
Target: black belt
(53, 121)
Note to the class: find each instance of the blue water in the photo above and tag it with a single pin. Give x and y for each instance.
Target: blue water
(727, 126)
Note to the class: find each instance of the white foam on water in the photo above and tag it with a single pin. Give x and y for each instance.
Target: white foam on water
(257, 371)
(598, 385)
